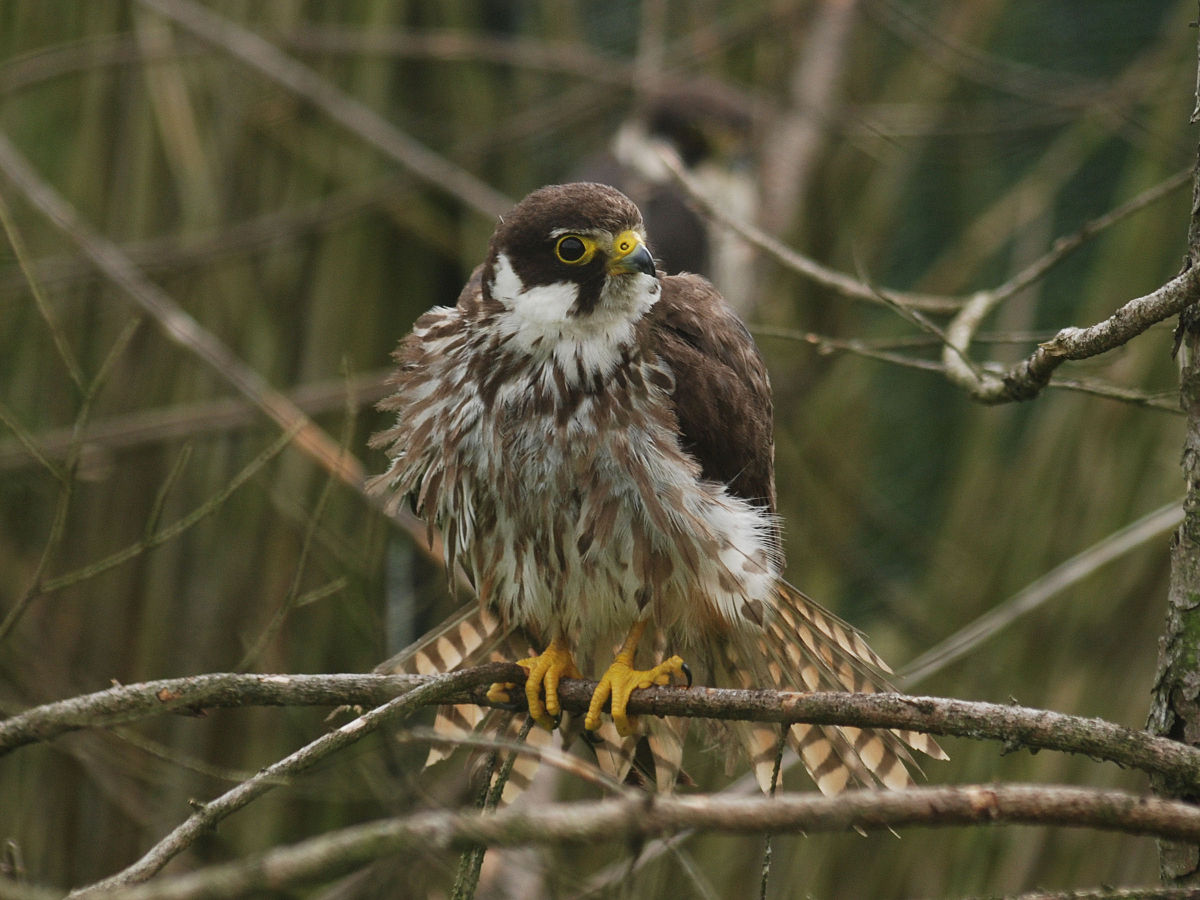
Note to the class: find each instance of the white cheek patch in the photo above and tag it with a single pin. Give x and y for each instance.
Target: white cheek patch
(546, 304)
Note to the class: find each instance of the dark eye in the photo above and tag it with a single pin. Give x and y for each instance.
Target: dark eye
(571, 249)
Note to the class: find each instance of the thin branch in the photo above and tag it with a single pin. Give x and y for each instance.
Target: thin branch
(1161, 401)
(821, 274)
(1068, 244)
(1016, 726)
(103, 436)
(867, 349)
(882, 351)
(209, 814)
(575, 766)
(639, 818)
(1052, 583)
(349, 112)
(39, 296)
(183, 329)
(27, 445)
(129, 703)
(1026, 379)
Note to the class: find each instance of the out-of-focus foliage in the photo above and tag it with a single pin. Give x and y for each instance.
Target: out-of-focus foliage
(950, 145)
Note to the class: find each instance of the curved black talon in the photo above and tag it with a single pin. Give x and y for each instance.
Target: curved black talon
(687, 672)
(558, 719)
(591, 737)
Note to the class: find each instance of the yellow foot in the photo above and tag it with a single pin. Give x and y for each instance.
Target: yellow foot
(545, 670)
(622, 679)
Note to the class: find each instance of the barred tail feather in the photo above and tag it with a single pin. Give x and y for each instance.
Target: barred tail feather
(465, 639)
(806, 647)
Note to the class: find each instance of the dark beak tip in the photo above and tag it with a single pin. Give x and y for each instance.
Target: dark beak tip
(640, 260)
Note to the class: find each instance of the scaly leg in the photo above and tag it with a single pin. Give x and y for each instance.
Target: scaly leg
(622, 679)
(545, 670)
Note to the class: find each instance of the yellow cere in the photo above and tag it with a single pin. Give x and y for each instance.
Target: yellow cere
(625, 243)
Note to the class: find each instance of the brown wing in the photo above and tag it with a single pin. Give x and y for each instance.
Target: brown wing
(722, 393)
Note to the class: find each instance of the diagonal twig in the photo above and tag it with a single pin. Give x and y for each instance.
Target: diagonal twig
(209, 814)
(346, 110)
(184, 330)
(1078, 567)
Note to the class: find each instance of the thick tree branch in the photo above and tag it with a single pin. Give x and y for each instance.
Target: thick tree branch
(1016, 726)
(646, 816)
(1175, 704)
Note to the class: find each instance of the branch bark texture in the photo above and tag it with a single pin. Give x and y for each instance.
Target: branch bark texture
(1175, 707)
(644, 816)
(1016, 726)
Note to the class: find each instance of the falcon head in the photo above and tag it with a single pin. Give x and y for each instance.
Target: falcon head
(570, 267)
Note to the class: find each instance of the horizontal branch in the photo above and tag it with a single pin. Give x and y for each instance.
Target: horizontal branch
(192, 694)
(1016, 726)
(646, 816)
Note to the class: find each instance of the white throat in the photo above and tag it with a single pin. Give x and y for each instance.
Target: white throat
(542, 321)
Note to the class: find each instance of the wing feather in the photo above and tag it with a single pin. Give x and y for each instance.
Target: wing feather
(722, 392)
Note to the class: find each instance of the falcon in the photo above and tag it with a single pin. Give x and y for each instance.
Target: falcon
(594, 440)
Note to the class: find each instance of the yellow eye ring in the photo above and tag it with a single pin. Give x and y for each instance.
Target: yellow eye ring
(574, 249)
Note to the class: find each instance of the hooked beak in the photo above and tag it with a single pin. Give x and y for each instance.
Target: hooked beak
(630, 255)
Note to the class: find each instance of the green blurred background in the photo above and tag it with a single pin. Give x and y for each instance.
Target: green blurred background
(930, 145)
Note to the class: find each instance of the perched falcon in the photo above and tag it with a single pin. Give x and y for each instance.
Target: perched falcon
(595, 442)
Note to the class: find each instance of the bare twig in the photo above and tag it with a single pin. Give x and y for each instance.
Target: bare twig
(103, 436)
(575, 766)
(880, 350)
(349, 112)
(182, 328)
(1026, 379)
(39, 297)
(840, 282)
(1068, 244)
(1078, 567)
(638, 818)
